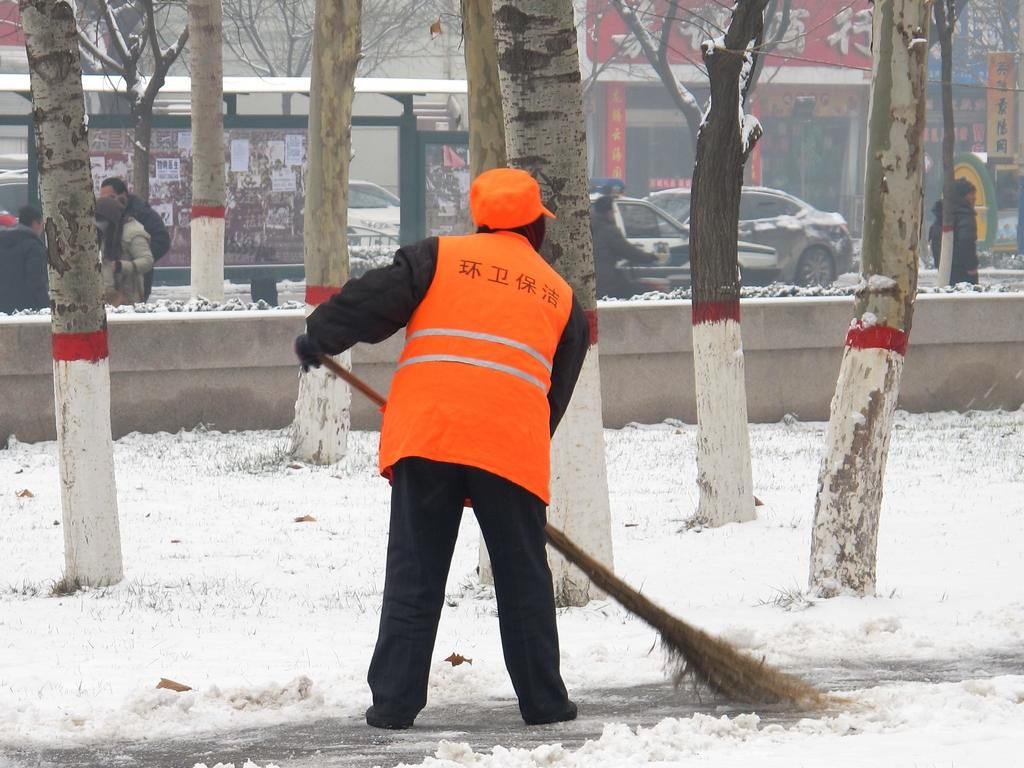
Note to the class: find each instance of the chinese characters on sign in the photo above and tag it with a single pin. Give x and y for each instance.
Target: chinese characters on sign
(819, 33)
(1001, 104)
(615, 133)
(852, 29)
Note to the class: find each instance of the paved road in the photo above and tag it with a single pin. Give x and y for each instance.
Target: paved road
(349, 743)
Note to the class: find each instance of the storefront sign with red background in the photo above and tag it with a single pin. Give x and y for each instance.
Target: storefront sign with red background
(10, 25)
(820, 32)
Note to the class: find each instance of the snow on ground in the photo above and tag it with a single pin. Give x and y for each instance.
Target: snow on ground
(291, 293)
(270, 620)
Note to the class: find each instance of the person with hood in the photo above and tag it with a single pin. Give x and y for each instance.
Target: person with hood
(125, 254)
(140, 210)
(964, 267)
(935, 233)
(23, 279)
(494, 343)
(965, 234)
(611, 247)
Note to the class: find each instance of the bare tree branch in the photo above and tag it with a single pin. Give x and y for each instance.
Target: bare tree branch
(657, 55)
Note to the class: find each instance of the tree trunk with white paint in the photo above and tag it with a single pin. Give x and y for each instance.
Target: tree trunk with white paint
(78, 321)
(726, 138)
(322, 409)
(846, 516)
(207, 226)
(544, 131)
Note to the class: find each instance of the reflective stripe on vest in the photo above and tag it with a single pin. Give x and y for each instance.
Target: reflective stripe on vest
(483, 363)
(477, 361)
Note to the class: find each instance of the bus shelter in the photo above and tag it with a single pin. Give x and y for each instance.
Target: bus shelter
(265, 162)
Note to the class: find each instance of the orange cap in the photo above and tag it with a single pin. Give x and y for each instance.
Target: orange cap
(506, 198)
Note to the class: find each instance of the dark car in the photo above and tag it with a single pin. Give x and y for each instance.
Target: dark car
(814, 246)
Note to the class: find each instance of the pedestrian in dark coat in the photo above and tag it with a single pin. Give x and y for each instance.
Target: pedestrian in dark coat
(965, 234)
(611, 247)
(23, 279)
(935, 233)
(494, 344)
(138, 209)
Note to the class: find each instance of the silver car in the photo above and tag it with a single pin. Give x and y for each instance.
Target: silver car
(814, 246)
(652, 229)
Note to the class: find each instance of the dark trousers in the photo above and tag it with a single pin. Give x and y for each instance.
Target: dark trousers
(426, 508)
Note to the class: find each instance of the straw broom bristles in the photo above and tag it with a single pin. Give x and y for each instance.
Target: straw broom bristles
(692, 652)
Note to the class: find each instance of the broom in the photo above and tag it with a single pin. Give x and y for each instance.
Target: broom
(692, 653)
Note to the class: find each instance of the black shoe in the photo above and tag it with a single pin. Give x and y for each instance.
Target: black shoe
(378, 720)
(567, 712)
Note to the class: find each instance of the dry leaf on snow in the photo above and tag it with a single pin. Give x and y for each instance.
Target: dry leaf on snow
(24, 493)
(457, 658)
(171, 685)
(305, 519)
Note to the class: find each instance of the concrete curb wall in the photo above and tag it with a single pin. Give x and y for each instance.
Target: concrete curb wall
(235, 370)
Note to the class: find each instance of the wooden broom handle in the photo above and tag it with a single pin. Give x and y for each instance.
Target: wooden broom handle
(353, 380)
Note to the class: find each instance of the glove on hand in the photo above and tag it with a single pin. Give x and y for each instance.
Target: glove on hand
(308, 352)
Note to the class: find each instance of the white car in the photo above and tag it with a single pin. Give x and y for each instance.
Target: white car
(372, 206)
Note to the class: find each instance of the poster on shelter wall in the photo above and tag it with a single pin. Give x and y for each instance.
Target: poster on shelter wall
(447, 179)
(168, 169)
(240, 155)
(98, 170)
(275, 153)
(264, 204)
(280, 217)
(282, 180)
(294, 149)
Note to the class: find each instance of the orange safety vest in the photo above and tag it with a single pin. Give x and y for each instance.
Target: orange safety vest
(471, 385)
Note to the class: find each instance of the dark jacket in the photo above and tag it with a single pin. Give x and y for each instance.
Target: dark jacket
(23, 278)
(374, 306)
(935, 233)
(611, 247)
(965, 244)
(159, 238)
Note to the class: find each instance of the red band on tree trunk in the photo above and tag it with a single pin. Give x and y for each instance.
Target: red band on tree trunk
(715, 311)
(89, 347)
(208, 211)
(877, 337)
(592, 322)
(318, 294)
